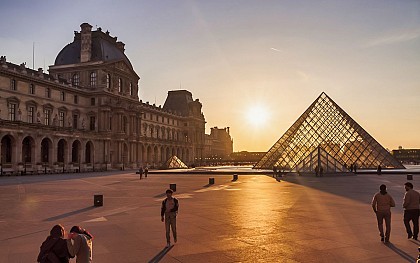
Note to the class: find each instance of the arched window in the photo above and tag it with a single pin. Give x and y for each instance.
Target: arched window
(93, 79)
(120, 85)
(75, 80)
(108, 81)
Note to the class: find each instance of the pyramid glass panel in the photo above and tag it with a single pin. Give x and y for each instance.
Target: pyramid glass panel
(174, 163)
(326, 128)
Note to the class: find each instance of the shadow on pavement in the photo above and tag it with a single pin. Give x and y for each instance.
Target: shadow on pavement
(401, 253)
(160, 255)
(70, 213)
(30, 179)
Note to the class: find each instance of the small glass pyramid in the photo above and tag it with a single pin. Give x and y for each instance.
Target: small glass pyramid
(174, 163)
(327, 134)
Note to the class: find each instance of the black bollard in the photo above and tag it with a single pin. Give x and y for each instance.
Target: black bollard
(172, 187)
(98, 200)
(211, 180)
(409, 177)
(235, 177)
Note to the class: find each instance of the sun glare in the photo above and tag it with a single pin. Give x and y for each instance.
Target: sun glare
(257, 116)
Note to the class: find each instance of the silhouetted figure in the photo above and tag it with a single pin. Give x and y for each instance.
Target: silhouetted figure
(146, 171)
(316, 171)
(141, 172)
(274, 171)
(381, 204)
(321, 171)
(351, 168)
(354, 168)
(411, 210)
(379, 170)
(54, 248)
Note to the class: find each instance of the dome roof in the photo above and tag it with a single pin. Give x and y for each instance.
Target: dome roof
(103, 48)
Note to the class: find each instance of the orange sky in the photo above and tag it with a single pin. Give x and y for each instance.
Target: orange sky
(238, 55)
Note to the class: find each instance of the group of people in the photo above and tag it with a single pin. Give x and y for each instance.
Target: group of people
(59, 248)
(141, 171)
(382, 203)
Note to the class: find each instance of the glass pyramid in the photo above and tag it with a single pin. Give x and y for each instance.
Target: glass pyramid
(327, 135)
(174, 163)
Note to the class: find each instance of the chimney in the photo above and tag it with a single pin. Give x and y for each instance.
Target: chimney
(86, 45)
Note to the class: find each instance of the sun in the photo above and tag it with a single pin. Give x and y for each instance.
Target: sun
(257, 115)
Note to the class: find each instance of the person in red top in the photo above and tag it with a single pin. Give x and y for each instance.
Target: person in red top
(381, 204)
(168, 213)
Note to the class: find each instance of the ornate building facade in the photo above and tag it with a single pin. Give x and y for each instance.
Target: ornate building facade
(86, 114)
(218, 146)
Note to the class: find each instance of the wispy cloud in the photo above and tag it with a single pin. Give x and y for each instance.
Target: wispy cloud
(394, 38)
(277, 50)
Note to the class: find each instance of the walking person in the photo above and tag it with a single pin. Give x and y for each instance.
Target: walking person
(168, 213)
(141, 172)
(411, 210)
(54, 248)
(146, 171)
(80, 244)
(381, 204)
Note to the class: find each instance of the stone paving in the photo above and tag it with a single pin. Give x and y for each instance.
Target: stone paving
(255, 219)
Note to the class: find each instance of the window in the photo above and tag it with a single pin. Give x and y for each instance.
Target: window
(76, 99)
(47, 116)
(92, 101)
(131, 89)
(12, 111)
(120, 85)
(93, 79)
(110, 123)
(62, 96)
(75, 121)
(13, 84)
(92, 123)
(108, 81)
(61, 117)
(31, 111)
(31, 88)
(75, 80)
(48, 92)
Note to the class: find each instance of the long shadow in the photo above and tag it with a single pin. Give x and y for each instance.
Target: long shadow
(30, 179)
(27, 234)
(359, 188)
(161, 254)
(401, 253)
(54, 218)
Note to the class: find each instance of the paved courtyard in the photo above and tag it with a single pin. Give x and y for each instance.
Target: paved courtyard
(255, 219)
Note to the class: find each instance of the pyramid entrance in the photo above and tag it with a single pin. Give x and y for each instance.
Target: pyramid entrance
(326, 136)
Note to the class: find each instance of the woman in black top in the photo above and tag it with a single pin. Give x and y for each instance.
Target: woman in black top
(54, 248)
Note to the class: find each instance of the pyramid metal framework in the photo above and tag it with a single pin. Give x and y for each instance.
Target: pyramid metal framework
(326, 135)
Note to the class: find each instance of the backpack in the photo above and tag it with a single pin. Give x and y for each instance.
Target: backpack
(49, 256)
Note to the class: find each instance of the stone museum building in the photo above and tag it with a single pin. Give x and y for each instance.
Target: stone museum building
(86, 114)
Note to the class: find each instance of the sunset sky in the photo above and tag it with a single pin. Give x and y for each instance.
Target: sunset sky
(255, 65)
